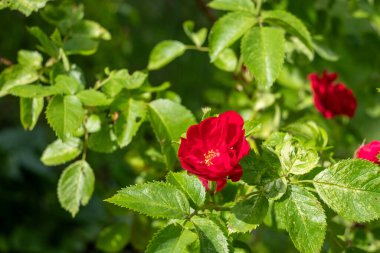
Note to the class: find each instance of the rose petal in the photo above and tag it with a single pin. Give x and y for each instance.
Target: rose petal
(370, 152)
(220, 184)
(332, 99)
(236, 173)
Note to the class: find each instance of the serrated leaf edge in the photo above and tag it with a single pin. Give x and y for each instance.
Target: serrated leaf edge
(109, 200)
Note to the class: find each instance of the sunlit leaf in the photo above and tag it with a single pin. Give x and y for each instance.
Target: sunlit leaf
(75, 186)
(154, 199)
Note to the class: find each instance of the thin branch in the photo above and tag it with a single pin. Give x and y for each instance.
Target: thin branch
(202, 5)
(5, 61)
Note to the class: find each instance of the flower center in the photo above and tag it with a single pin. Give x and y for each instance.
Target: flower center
(210, 155)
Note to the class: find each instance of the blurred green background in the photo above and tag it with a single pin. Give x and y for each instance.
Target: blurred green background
(31, 219)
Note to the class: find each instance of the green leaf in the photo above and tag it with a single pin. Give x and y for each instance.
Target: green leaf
(276, 140)
(199, 37)
(47, 45)
(190, 185)
(251, 127)
(79, 44)
(308, 133)
(103, 141)
(75, 186)
(154, 199)
(232, 5)
(93, 123)
(67, 84)
(263, 53)
(305, 220)
(114, 238)
(30, 110)
(120, 79)
(92, 30)
(29, 58)
(93, 98)
(169, 121)
(60, 152)
(165, 52)
(211, 237)
(115, 82)
(352, 189)
(290, 23)
(247, 215)
(294, 44)
(162, 87)
(135, 80)
(259, 168)
(226, 60)
(24, 6)
(132, 115)
(296, 159)
(227, 30)
(325, 52)
(33, 91)
(16, 75)
(275, 189)
(171, 239)
(65, 115)
(64, 16)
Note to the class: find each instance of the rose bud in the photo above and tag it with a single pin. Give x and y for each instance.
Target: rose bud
(212, 149)
(332, 99)
(370, 152)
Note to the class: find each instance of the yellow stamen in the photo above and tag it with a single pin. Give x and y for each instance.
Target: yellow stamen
(211, 154)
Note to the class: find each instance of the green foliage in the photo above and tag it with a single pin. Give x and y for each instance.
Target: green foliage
(154, 199)
(132, 116)
(165, 52)
(169, 121)
(296, 159)
(24, 6)
(246, 215)
(304, 219)
(30, 110)
(92, 98)
(29, 58)
(211, 237)
(67, 84)
(100, 94)
(290, 23)
(65, 115)
(60, 152)
(263, 52)
(16, 75)
(227, 30)
(113, 238)
(351, 188)
(199, 37)
(275, 189)
(75, 186)
(172, 238)
(47, 45)
(190, 185)
(121, 79)
(226, 60)
(34, 91)
(309, 133)
(103, 141)
(232, 5)
(91, 29)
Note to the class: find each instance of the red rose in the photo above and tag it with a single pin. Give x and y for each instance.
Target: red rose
(212, 149)
(332, 99)
(370, 152)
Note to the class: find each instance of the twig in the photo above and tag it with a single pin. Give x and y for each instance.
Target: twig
(211, 17)
(5, 61)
